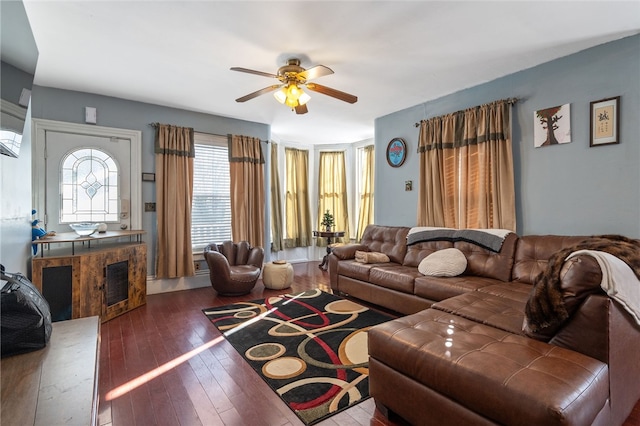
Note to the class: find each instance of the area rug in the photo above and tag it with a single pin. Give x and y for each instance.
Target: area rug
(310, 347)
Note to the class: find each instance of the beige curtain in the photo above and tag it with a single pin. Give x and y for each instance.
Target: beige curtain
(466, 169)
(332, 193)
(277, 244)
(365, 213)
(174, 150)
(246, 167)
(298, 214)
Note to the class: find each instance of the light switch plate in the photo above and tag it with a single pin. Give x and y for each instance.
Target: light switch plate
(90, 115)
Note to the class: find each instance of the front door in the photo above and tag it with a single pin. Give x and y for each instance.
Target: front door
(76, 168)
(72, 188)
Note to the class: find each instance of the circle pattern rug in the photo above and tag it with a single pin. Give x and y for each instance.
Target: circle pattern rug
(310, 347)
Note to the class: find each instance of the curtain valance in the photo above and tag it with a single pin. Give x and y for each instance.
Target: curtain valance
(174, 140)
(483, 123)
(245, 149)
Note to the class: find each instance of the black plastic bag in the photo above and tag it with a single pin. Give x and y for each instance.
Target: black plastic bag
(25, 317)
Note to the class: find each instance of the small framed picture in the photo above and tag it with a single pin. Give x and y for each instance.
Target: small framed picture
(149, 177)
(605, 122)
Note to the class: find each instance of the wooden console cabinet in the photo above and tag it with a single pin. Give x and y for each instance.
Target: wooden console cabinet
(106, 279)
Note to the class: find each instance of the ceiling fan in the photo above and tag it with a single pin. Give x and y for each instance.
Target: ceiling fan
(292, 78)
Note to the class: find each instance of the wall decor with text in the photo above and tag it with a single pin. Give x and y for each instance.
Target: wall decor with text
(605, 122)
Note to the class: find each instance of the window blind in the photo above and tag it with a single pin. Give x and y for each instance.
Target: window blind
(211, 205)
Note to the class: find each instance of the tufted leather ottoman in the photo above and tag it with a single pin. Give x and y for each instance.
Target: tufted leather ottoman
(277, 275)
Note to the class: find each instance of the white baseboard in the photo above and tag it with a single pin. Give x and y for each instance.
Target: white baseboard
(166, 285)
(201, 279)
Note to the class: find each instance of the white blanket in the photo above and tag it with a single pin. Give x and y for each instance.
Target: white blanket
(618, 280)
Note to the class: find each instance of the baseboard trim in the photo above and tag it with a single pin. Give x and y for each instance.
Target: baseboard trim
(167, 285)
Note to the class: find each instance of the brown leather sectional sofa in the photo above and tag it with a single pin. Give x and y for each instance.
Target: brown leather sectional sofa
(461, 355)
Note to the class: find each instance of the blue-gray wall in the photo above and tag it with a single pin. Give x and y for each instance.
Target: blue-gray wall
(65, 105)
(15, 182)
(568, 189)
(13, 81)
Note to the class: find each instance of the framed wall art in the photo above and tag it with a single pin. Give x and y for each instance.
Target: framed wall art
(605, 122)
(552, 126)
(396, 152)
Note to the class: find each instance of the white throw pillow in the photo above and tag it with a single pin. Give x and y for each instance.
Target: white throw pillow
(443, 263)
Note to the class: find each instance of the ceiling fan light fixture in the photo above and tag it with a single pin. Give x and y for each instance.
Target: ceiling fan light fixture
(281, 95)
(304, 98)
(291, 95)
(291, 79)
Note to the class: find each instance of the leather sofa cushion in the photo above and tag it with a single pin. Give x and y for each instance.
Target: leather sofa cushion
(495, 311)
(519, 292)
(396, 277)
(390, 240)
(533, 252)
(480, 261)
(504, 377)
(440, 288)
(356, 270)
(347, 251)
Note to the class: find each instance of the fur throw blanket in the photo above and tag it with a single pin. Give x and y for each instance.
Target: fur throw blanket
(546, 308)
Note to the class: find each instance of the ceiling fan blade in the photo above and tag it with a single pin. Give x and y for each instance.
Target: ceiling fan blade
(315, 72)
(301, 109)
(247, 70)
(258, 93)
(343, 96)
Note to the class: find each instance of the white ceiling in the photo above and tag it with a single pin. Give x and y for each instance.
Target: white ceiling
(392, 55)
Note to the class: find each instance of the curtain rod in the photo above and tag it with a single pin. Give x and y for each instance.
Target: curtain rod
(510, 101)
(156, 124)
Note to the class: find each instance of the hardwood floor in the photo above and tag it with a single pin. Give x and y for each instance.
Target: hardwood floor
(165, 364)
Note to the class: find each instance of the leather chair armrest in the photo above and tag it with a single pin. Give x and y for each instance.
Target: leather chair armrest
(218, 264)
(256, 257)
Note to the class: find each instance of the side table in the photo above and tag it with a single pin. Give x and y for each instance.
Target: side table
(329, 235)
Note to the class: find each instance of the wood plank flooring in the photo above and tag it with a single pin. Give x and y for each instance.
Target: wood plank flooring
(165, 364)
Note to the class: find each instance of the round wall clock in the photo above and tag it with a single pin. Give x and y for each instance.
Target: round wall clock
(396, 152)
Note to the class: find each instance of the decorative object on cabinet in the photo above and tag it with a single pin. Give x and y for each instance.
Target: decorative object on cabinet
(605, 122)
(84, 229)
(396, 152)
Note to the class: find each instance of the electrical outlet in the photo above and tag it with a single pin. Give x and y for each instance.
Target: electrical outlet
(149, 207)
(196, 265)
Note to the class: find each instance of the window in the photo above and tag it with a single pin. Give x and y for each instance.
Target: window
(89, 187)
(365, 168)
(10, 143)
(297, 213)
(332, 190)
(211, 204)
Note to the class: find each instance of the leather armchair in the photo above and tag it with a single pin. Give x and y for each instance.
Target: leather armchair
(234, 268)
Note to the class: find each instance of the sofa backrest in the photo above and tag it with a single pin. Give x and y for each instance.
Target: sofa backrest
(481, 262)
(390, 240)
(533, 253)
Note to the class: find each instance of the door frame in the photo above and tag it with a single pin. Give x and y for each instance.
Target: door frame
(38, 161)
